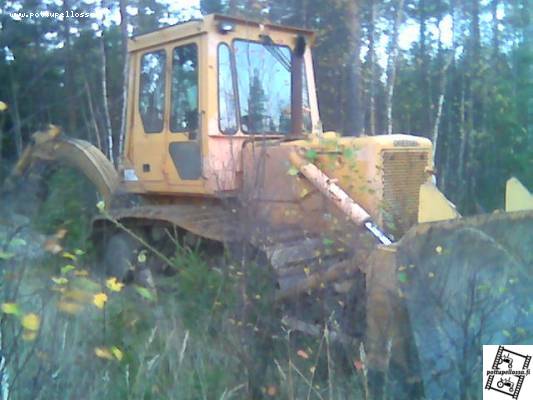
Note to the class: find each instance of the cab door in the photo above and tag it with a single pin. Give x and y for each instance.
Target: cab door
(184, 164)
(149, 116)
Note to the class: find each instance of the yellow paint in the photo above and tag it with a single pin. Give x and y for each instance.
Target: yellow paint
(221, 154)
(517, 197)
(433, 205)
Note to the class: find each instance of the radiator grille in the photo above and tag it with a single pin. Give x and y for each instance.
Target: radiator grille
(403, 173)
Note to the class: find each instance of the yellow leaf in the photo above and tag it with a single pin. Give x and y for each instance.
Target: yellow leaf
(10, 308)
(99, 300)
(117, 353)
(68, 255)
(29, 336)
(103, 352)
(114, 285)
(82, 272)
(292, 171)
(69, 307)
(31, 322)
(3, 106)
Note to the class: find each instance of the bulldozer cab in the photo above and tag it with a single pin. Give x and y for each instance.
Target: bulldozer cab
(200, 89)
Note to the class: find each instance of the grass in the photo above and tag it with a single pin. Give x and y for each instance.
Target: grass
(188, 342)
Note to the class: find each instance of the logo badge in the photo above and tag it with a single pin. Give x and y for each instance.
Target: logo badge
(507, 372)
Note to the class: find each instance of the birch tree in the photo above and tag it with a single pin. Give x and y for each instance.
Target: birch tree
(391, 62)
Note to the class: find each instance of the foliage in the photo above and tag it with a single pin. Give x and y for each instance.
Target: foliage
(69, 204)
(67, 333)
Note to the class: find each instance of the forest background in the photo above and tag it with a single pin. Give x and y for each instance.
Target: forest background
(459, 72)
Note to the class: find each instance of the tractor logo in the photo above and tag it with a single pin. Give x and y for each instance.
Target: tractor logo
(508, 374)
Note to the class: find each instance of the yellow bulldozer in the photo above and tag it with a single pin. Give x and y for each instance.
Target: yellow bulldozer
(224, 143)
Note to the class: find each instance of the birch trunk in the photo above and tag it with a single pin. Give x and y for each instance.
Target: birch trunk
(105, 104)
(69, 77)
(352, 112)
(124, 34)
(391, 63)
(97, 133)
(372, 74)
(443, 79)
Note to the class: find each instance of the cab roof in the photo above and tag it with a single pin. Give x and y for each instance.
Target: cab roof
(209, 23)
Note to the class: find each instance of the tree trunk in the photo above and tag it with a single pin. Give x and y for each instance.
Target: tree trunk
(391, 63)
(424, 70)
(93, 115)
(371, 71)
(105, 105)
(69, 77)
(495, 33)
(445, 64)
(124, 34)
(352, 112)
(15, 114)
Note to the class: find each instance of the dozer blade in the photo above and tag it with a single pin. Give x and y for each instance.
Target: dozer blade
(466, 282)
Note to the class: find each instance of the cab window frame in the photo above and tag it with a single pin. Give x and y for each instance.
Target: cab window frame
(171, 100)
(233, 85)
(236, 72)
(164, 91)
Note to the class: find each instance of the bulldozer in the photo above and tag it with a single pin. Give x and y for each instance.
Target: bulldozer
(224, 143)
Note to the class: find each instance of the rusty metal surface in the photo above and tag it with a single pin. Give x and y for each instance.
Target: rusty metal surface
(51, 146)
(209, 220)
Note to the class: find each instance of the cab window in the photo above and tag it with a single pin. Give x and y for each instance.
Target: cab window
(152, 91)
(227, 103)
(184, 90)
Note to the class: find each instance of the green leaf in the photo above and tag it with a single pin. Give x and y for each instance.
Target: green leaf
(293, 171)
(79, 252)
(60, 280)
(348, 153)
(6, 256)
(506, 333)
(11, 308)
(521, 331)
(144, 292)
(311, 154)
(86, 284)
(67, 268)
(327, 242)
(402, 277)
(18, 242)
